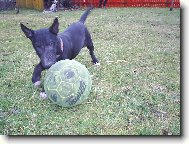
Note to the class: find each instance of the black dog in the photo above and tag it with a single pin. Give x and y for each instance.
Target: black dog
(52, 47)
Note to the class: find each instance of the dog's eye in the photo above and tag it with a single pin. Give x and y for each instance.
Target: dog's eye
(51, 43)
(37, 45)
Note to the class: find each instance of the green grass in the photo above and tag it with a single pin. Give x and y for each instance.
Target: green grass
(135, 91)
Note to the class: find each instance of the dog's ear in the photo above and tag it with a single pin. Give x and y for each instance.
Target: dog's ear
(28, 32)
(54, 28)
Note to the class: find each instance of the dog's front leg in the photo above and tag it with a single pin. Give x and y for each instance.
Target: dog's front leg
(37, 74)
(36, 79)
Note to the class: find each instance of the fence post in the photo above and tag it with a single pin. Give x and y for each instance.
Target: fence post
(171, 7)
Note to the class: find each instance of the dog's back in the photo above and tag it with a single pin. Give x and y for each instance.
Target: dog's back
(75, 35)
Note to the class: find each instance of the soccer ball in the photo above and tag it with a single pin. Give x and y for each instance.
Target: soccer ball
(67, 83)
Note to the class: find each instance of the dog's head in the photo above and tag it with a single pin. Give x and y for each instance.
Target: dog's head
(44, 42)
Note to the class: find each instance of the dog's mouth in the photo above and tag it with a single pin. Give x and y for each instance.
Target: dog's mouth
(48, 59)
(47, 65)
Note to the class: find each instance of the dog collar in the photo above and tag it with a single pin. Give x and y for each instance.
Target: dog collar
(61, 44)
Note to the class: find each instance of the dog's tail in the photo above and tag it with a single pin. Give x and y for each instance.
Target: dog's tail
(86, 13)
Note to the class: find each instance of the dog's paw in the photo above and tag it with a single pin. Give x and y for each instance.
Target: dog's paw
(43, 95)
(37, 83)
(97, 63)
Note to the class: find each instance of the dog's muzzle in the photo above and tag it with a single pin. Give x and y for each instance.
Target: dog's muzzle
(48, 60)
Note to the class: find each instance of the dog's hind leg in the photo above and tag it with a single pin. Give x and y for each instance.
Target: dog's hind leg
(90, 46)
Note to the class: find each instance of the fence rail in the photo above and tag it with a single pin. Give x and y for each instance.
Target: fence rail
(130, 3)
(39, 4)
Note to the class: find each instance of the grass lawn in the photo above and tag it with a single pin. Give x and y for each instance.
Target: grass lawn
(135, 90)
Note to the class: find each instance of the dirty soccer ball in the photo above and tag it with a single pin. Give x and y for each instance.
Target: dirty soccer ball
(67, 83)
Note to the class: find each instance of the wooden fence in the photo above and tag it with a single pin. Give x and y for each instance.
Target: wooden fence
(33, 4)
(130, 3)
